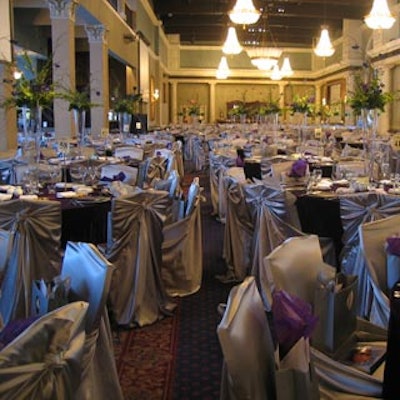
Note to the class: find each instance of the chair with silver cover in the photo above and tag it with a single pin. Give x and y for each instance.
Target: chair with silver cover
(44, 361)
(35, 254)
(90, 275)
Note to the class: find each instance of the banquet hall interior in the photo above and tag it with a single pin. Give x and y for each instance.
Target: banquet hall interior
(199, 199)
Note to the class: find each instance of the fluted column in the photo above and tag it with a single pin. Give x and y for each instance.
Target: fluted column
(8, 137)
(99, 85)
(212, 117)
(174, 106)
(62, 14)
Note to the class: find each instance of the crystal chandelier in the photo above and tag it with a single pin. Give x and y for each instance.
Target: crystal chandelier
(263, 53)
(286, 69)
(276, 74)
(244, 13)
(380, 16)
(264, 58)
(223, 69)
(324, 46)
(231, 45)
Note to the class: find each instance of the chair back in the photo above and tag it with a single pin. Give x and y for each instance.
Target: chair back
(247, 346)
(90, 274)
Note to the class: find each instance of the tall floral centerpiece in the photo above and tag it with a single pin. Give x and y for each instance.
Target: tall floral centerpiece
(303, 105)
(32, 93)
(126, 107)
(193, 110)
(368, 100)
(239, 110)
(79, 104)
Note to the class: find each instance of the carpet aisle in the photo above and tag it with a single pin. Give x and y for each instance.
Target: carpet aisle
(179, 357)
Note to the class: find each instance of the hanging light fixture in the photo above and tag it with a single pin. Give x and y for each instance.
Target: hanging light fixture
(324, 46)
(231, 45)
(223, 69)
(261, 54)
(276, 74)
(380, 16)
(286, 69)
(244, 13)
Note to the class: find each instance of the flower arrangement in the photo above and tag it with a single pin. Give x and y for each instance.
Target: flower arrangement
(272, 107)
(368, 93)
(127, 104)
(78, 99)
(238, 109)
(302, 104)
(34, 88)
(193, 108)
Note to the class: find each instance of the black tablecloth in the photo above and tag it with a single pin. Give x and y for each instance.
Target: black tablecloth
(321, 216)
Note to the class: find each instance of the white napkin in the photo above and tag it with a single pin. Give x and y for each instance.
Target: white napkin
(64, 185)
(6, 188)
(344, 190)
(5, 196)
(29, 197)
(66, 195)
(324, 184)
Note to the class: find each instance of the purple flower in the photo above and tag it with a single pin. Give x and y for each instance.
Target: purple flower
(299, 169)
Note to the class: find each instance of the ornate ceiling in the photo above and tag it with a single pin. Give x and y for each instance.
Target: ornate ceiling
(290, 23)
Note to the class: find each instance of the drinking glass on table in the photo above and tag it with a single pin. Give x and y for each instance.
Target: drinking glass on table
(55, 176)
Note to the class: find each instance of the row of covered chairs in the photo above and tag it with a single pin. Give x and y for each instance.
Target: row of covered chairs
(247, 323)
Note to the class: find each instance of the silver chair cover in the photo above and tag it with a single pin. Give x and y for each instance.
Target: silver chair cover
(218, 164)
(247, 346)
(44, 362)
(372, 239)
(293, 266)
(356, 210)
(192, 195)
(182, 254)
(274, 217)
(170, 184)
(35, 254)
(90, 275)
(238, 232)
(137, 292)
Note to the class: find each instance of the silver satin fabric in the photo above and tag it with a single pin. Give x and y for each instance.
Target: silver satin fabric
(137, 292)
(293, 266)
(373, 237)
(238, 232)
(356, 210)
(90, 275)
(182, 254)
(36, 252)
(44, 362)
(247, 347)
(274, 217)
(218, 164)
(170, 184)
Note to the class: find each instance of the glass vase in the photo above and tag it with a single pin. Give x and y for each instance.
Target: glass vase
(124, 122)
(32, 136)
(369, 136)
(80, 126)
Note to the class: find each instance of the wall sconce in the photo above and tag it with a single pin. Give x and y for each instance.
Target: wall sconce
(156, 94)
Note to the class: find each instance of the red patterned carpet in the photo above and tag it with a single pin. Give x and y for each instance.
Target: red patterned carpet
(145, 358)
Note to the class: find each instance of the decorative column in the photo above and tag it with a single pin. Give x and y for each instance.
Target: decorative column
(212, 102)
(8, 137)
(174, 105)
(99, 85)
(62, 14)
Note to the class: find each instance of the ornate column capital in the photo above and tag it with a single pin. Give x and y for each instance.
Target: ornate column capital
(95, 33)
(62, 9)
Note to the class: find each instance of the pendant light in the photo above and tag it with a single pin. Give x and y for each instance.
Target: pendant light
(324, 46)
(244, 13)
(380, 16)
(223, 69)
(231, 45)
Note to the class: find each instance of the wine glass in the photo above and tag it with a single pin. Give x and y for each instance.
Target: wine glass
(55, 176)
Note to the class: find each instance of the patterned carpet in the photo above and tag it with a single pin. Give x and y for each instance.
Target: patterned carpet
(179, 357)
